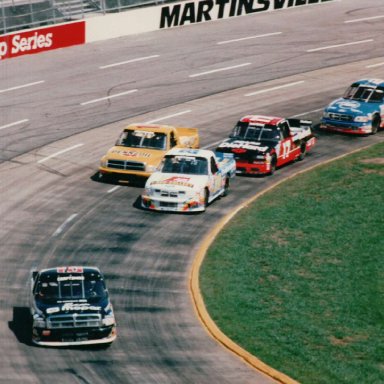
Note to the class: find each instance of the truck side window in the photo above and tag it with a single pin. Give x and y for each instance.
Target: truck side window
(284, 128)
(214, 167)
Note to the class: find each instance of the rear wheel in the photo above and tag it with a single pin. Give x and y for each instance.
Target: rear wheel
(303, 151)
(226, 187)
(206, 198)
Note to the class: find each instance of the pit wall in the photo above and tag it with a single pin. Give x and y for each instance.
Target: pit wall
(135, 21)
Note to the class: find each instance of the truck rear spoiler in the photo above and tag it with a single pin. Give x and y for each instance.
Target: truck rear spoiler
(300, 123)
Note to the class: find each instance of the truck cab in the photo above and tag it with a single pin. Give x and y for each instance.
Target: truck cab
(188, 180)
(360, 111)
(140, 148)
(71, 306)
(262, 143)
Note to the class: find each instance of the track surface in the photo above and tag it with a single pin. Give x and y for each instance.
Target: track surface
(53, 213)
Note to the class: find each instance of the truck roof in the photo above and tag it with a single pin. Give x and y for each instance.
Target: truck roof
(70, 270)
(374, 83)
(150, 127)
(189, 152)
(261, 119)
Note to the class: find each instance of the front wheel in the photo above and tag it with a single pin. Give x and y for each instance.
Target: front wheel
(375, 124)
(273, 164)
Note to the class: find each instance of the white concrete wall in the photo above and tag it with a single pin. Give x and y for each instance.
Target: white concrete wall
(171, 15)
(121, 24)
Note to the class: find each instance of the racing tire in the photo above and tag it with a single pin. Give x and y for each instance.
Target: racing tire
(303, 151)
(226, 187)
(273, 164)
(376, 121)
(206, 198)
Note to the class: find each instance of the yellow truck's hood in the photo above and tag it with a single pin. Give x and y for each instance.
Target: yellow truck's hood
(148, 156)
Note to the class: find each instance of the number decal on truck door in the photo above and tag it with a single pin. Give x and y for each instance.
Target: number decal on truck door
(286, 148)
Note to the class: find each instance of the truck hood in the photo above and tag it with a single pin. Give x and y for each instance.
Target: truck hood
(176, 181)
(151, 156)
(241, 147)
(351, 107)
(75, 306)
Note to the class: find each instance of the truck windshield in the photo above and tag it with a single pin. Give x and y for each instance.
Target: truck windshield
(245, 131)
(68, 287)
(143, 139)
(364, 93)
(185, 165)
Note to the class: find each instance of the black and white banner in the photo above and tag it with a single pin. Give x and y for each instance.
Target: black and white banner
(210, 10)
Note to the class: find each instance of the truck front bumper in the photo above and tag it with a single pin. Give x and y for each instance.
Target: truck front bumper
(247, 168)
(73, 337)
(164, 205)
(122, 174)
(353, 129)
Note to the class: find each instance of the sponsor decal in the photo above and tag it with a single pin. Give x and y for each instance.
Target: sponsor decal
(349, 104)
(208, 10)
(53, 310)
(79, 307)
(71, 269)
(42, 39)
(244, 145)
(176, 180)
(70, 278)
(131, 153)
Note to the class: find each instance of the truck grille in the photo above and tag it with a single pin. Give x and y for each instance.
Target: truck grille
(340, 117)
(74, 321)
(173, 194)
(168, 204)
(126, 165)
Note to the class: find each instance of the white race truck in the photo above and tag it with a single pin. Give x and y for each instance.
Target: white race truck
(188, 180)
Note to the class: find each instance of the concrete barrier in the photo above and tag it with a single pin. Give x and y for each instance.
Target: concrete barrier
(136, 21)
(179, 14)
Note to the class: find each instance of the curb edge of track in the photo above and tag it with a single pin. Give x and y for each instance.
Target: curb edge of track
(196, 295)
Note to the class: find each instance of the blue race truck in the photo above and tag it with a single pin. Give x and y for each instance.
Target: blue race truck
(360, 111)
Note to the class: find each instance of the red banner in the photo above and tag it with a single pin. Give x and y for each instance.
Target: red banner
(42, 39)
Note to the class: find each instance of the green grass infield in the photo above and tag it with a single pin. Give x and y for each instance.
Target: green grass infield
(297, 279)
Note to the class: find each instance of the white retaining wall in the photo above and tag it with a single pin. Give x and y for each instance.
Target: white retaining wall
(177, 14)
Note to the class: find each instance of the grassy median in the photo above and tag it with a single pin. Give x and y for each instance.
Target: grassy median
(298, 279)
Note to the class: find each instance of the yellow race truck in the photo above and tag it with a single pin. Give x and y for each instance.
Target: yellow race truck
(141, 147)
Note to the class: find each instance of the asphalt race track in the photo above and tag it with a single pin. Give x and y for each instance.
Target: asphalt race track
(58, 117)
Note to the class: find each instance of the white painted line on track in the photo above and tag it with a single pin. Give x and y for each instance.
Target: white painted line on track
(13, 124)
(249, 38)
(363, 19)
(375, 65)
(129, 61)
(306, 113)
(59, 153)
(22, 86)
(169, 116)
(220, 69)
(109, 97)
(274, 88)
(62, 226)
(340, 45)
(115, 188)
(212, 144)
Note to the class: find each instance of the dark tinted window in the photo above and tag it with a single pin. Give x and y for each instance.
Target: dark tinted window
(70, 286)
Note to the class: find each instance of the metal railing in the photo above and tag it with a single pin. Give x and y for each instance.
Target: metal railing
(16, 15)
